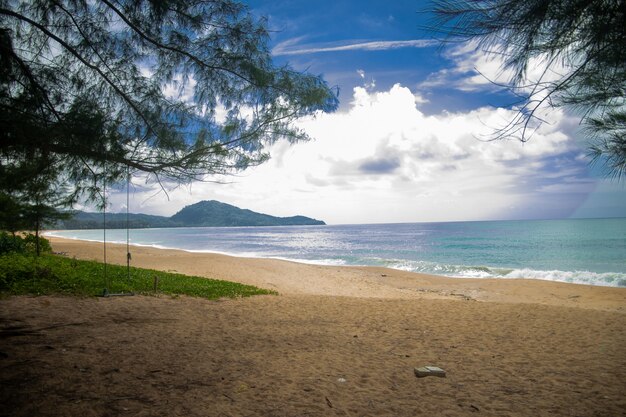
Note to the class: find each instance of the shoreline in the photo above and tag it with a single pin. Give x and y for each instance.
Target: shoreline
(295, 278)
(577, 277)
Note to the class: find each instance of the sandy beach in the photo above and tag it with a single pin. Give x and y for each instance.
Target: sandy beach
(336, 341)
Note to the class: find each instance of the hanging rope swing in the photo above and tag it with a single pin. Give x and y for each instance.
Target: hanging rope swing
(128, 257)
(107, 282)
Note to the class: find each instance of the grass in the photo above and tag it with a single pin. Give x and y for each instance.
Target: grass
(25, 274)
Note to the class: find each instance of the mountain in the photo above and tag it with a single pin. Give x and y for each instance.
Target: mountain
(205, 213)
(214, 213)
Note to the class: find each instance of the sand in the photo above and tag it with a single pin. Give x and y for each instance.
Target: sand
(336, 341)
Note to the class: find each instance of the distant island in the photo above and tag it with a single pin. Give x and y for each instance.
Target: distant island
(204, 214)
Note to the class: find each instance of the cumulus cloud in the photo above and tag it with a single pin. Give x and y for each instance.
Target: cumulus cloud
(383, 160)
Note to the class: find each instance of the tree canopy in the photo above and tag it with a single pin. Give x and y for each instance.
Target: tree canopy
(581, 44)
(177, 89)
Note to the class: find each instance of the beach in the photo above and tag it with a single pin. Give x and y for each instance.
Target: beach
(335, 341)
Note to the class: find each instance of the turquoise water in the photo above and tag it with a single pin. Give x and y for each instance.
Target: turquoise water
(589, 251)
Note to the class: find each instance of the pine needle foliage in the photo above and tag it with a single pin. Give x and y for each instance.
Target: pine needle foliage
(176, 89)
(584, 40)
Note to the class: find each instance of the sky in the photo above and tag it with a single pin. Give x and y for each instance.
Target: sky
(407, 142)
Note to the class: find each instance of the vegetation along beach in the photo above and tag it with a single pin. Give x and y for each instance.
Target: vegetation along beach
(330, 208)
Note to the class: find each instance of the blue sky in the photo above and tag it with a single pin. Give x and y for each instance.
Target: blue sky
(403, 146)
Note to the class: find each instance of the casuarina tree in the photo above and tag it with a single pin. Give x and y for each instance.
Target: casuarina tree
(176, 89)
(581, 46)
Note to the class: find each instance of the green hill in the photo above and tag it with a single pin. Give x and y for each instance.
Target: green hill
(205, 213)
(214, 213)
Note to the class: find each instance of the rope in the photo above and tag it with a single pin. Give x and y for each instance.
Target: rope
(104, 231)
(107, 281)
(128, 257)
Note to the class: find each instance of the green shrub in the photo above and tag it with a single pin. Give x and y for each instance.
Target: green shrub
(14, 267)
(30, 244)
(10, 243)
(25, 244)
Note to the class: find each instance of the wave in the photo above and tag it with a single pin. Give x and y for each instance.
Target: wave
(607, 279)
(72, 237)
(434, 268)
(328, 262)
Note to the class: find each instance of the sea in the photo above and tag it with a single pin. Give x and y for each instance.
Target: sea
(582, 251)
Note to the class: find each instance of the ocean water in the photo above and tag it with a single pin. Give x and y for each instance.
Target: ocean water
(585, 251)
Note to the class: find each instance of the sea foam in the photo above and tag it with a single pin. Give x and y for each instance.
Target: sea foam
(608, 279)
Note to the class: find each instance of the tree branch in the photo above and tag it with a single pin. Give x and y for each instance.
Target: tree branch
(171, 48)
(78, 56)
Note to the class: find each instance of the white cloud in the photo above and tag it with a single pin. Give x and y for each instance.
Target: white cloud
(476, 69)
(472, 69)
(385, 161)
(368, 85)
(292, 46)
(181, 88)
